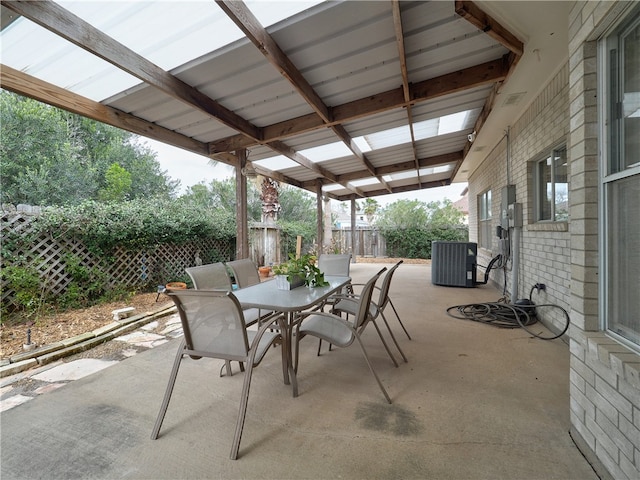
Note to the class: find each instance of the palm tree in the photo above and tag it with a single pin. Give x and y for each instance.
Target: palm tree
(370, 209)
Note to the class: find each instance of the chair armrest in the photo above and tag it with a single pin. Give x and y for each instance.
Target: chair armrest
(268, 324)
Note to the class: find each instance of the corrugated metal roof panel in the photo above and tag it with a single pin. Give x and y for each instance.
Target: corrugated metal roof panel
(347, 51)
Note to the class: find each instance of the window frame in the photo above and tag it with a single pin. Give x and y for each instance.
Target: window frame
(540, 193)
(484, 219)
(612, 180)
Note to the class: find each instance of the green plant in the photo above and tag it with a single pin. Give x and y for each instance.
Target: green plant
(303, 267)
(29, 293)
(88, 285)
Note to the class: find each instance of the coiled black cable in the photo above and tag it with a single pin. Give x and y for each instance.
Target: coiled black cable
(505, 315)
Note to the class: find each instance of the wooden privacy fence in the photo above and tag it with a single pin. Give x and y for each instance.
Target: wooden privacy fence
(369, 242)
(49, 254)
(265, 244)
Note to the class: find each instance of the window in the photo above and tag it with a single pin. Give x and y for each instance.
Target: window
(484, 220)
(551, 187)
(620, 86)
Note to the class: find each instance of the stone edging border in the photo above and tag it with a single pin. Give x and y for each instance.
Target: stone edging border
(54, 351)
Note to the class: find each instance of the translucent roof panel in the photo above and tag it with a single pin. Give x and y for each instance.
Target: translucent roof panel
(332, 187)
(276, 163)
(168, 33)
(326, 152)
(421, 131)
(364, 181)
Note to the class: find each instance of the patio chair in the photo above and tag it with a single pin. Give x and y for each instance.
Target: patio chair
(212, 276)
(349, 305)
(215, 276)
(333, 264)
(338, 265)
(337, 331)
(245, 272)
(214, 327)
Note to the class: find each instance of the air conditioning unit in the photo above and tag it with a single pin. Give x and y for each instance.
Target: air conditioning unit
(453, 264)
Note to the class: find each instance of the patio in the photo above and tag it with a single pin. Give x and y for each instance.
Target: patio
(473, 402)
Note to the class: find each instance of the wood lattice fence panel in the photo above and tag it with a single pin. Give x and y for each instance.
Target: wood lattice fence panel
(49, 256)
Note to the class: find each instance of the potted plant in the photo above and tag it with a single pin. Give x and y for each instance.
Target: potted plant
(299, 271)
(264, 271)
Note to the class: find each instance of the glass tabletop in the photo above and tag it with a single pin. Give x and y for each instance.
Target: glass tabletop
(267, 296)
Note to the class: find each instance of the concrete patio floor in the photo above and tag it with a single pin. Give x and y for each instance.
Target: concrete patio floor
(474, 402)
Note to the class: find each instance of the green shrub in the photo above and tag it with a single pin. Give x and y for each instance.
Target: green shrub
(416, 242)
(30, 294)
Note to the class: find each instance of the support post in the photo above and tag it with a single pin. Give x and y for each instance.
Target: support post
(319, 232)
(242, 230)
(353, 229)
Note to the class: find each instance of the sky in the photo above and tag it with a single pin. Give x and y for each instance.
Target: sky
(191, 169)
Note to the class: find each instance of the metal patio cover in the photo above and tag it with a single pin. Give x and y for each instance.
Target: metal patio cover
(334, 72)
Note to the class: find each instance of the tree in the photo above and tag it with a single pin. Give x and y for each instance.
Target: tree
(404, 214)
(410, 226)
(118, 184)
(370, 209)
(444, 214)
(49, 156)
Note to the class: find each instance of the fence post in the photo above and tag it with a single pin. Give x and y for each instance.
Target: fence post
(298, 246)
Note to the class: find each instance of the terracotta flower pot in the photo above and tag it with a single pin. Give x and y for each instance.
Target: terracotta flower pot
(264, 271)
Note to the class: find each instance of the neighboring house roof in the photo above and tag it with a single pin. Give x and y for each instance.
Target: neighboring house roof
(462, 204)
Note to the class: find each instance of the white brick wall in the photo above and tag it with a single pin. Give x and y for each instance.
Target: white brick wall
(545, 248)
(604, 375)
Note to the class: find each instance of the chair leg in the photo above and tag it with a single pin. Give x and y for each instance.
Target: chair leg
(400, 321)
(366, 357)
(393, 337)
(320, 346)
(168, 391)
(227, 368)
(244, 400)
(393, 359)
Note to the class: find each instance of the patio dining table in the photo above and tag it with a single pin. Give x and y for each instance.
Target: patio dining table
(266, 295)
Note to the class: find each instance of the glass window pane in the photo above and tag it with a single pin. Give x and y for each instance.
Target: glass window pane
(631, 97)
(561, 187)
(545, 189)
(624, 98)
(623, 257)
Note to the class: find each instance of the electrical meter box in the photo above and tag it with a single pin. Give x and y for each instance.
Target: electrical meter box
(508, 198)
